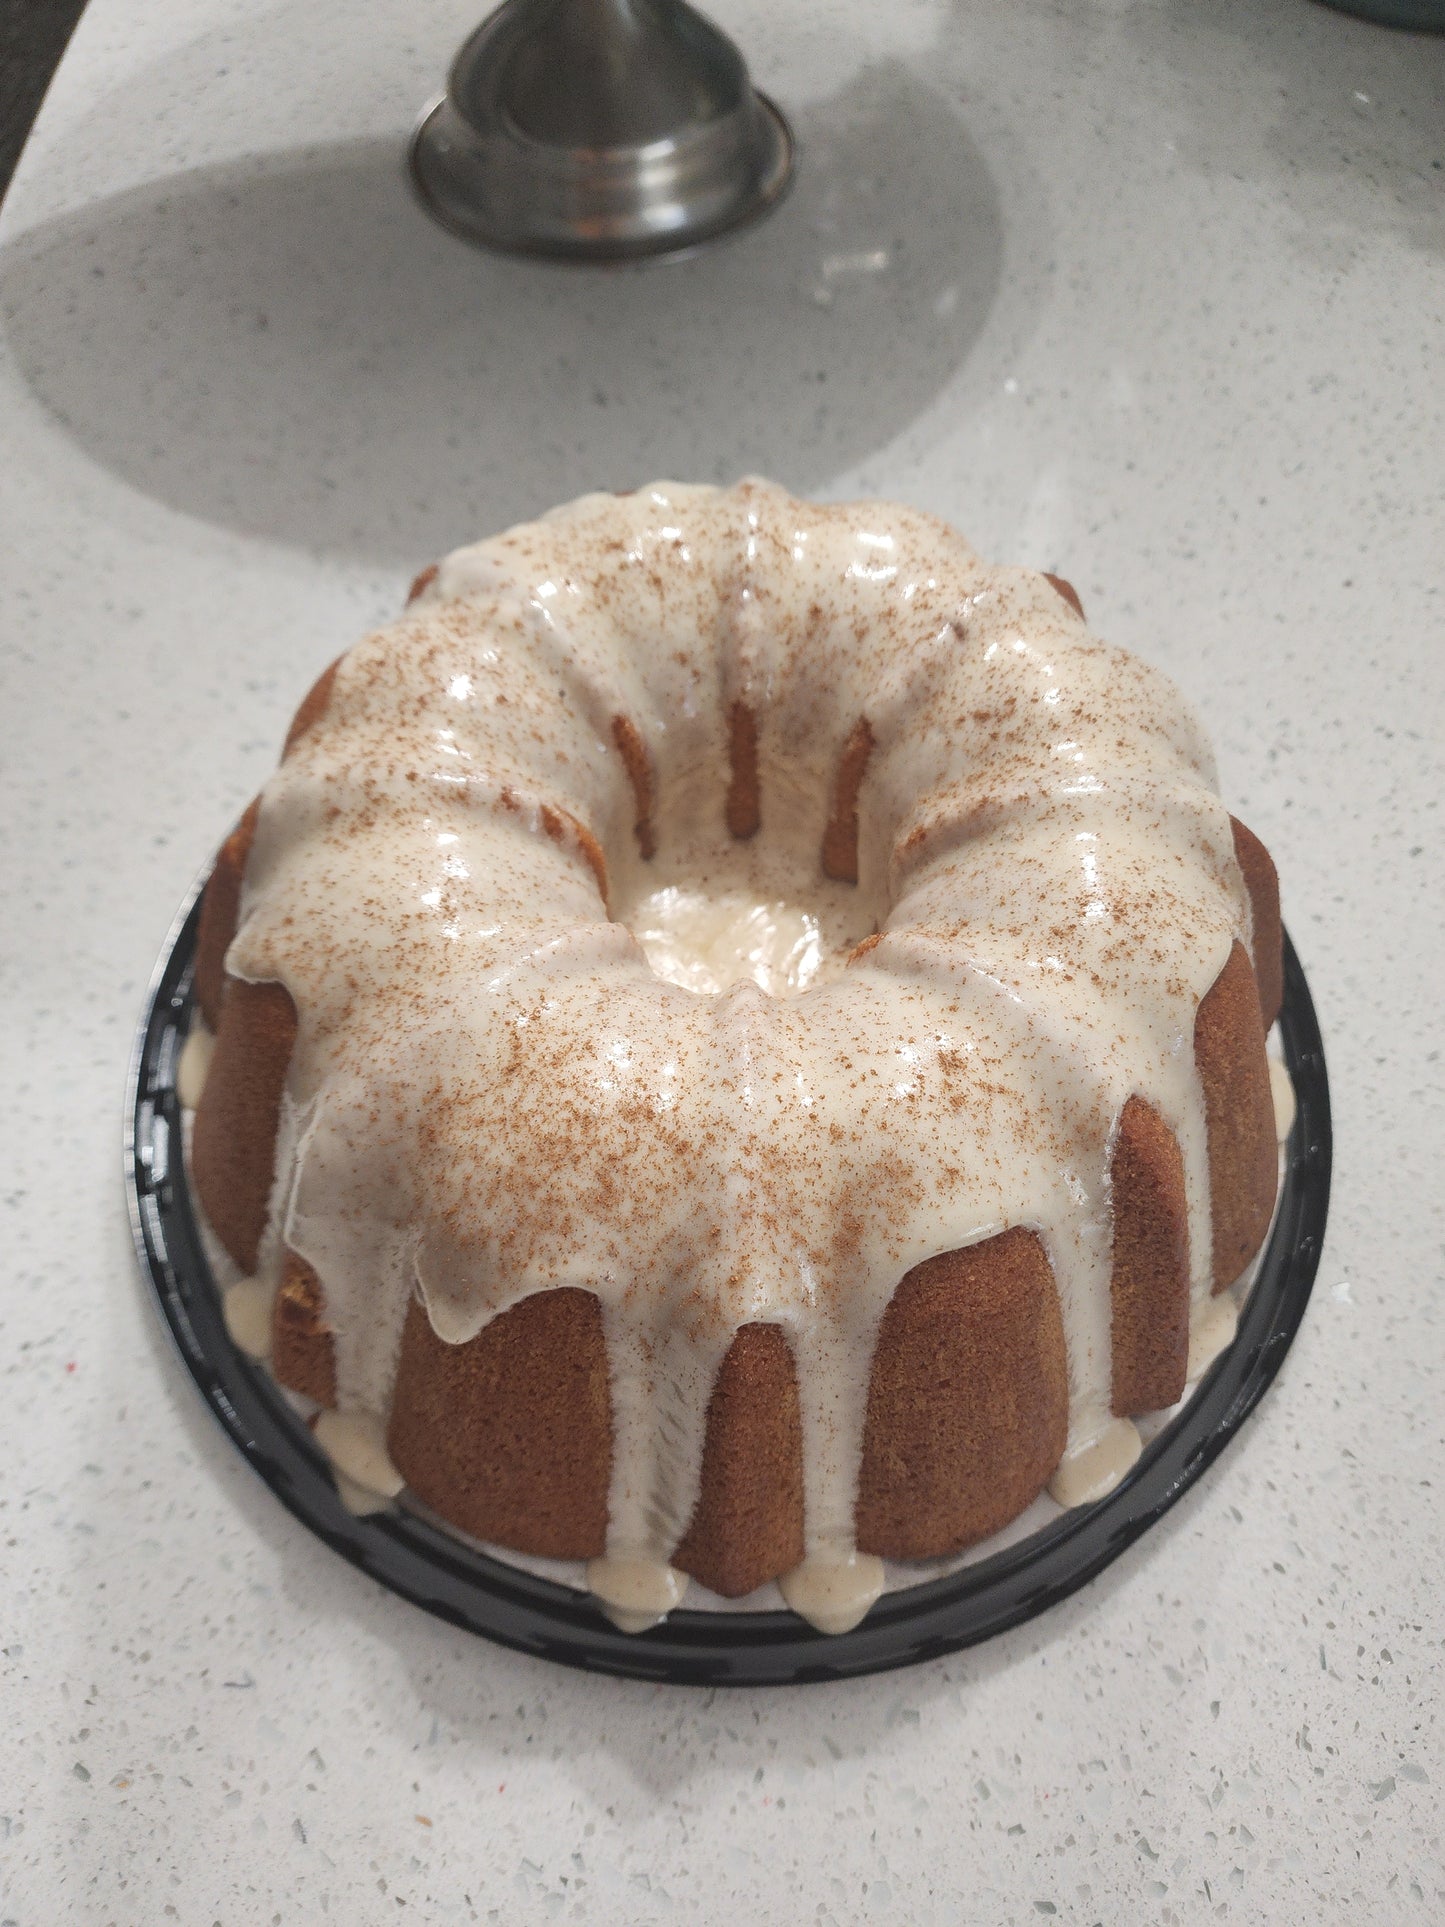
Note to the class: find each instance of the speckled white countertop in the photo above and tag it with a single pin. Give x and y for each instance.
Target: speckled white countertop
(1153, 293)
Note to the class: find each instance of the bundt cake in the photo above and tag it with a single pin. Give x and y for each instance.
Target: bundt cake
(739, 1047)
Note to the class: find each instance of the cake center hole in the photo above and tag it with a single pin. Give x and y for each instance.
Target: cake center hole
(709, 942)
(713, 907)
(742, 913)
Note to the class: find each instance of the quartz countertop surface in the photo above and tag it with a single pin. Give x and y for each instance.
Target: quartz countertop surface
(1144, 291)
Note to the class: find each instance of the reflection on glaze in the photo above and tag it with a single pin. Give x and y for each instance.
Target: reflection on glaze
(1038, 841)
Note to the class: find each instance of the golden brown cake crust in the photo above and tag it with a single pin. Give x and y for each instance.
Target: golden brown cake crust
(1067, 590)
(638, 765)
(968, 1402)
(233, 1146)
(563, 827)
(509, 1436)
(1150, 1285)
(303, 1355)
(748, 1523)
(1261, 880)
(1239, 1116)
(742, 808)
(220, 910)
(313, 707)
(840, 839)
(422, 581)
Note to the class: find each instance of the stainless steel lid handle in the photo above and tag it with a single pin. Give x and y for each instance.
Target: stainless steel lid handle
(599, 130)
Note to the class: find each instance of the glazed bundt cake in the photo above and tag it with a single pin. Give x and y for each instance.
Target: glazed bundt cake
(739, 1047)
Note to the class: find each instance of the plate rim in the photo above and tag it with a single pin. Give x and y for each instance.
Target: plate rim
(457, 1582)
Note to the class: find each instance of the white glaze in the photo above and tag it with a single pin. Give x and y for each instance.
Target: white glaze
(1040, 844)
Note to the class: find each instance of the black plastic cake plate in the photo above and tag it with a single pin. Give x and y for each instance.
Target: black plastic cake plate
(462, 1584)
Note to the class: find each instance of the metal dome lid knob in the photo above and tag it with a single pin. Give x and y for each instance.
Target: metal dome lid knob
(599, 130)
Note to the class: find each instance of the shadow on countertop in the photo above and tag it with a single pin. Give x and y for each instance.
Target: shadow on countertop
(285, 346)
